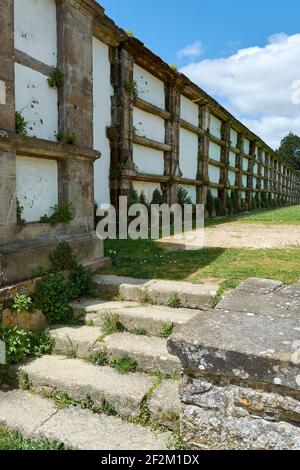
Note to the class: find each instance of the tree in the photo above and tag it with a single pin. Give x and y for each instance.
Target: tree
(289, 150)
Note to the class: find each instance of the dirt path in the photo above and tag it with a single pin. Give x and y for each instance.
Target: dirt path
(241, 235)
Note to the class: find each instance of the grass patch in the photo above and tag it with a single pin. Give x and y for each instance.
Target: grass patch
(112, 324)
(144, 259)
(99, 358)
(166, 330)
(62, 400)
(174, 301)
(104, 408)
(139, 332)
(10, 440)
(124, 364)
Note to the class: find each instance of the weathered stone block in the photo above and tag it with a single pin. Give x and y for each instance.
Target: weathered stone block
(28, 321)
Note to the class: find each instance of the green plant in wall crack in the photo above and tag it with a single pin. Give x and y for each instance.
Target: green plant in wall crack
(66, 137)
(60, 214)
(124, 364)
(174, 301)
(21, 303)
(131, 87)
(21, 124)
(20, 209)
(56, 79)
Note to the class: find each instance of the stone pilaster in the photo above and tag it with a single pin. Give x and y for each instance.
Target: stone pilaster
(171, 167)
(204, 123)
(239, 162)
(7, 74)
(225, 131)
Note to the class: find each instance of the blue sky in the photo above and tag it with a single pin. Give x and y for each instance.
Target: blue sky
(235, 50)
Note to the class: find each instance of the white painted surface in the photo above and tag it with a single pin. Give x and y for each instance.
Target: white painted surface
(35, 29)
(215, 126)
(246, 146)
(37, 102)
(233, 137)
(214, 151)
(37, 186)
(102, 91)
(189, 111)
(214, 192)
(245, 181)
(254, 183)
(2, 92)
(149, 88)
(243, 194)
(147, 188)
(148, 160)
(255, 168)
(231, 177)
(232, 159)
(148, 125)
(245, 164)
(214, 174)
(263, 156)
(191, 190)
(188, 154)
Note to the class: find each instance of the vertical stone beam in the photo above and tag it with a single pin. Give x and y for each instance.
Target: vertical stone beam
(225, 131)
(239, 163)
(204, 124)
(267, 173)
(260, 183)
(113, 133)
(171, 159)
(75, 60)
(249, 194)
(126, 96)
(7, 121)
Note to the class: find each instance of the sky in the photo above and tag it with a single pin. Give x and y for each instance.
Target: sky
(245, 54)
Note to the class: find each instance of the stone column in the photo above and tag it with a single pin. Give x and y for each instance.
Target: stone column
(225, 131)
(75, 61)
(7, 121)
(239, 160)
(173, 138)
(204, 123)
(250, 177)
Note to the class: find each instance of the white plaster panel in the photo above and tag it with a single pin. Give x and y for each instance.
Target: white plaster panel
(215, 126)
(149, 88)
(37, 186)
(263, 156)
(214, 192)
(214, 174)
(189, 111)
(245, 181)
(243, 194)
(191, 190)
(254, 183)
(147, 188)
(245, 164)
(35, 29)
(214, 151)
(246, 146)
(233, 137)
(2, 92)
(102, 92)
(255, 168)
(232, 158)
(148, 160)
(148, 125)
(231, 177)
(188, 154)
(37, 102)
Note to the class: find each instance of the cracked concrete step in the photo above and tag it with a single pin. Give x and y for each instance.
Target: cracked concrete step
(150, 353)
(133, 315)
(79, 379)
(76, 341)
(37, 418)
(196, 296)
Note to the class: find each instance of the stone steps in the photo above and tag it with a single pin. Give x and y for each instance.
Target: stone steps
(150, 353)
(133, 315)
(38, 419)
(79, 380)
(159, 292)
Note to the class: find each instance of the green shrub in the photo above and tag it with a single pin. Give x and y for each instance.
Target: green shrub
(21, 124)
(99, 358)
(183, 197)
(20, 209)
(131, 87)
(63, 258)
(60, 214)
(209, 203)
(21, 303)
(80, 282)
(159, 197)
(52, 296)
(17, 343)
(124, 364)
(56, 79)
(234, 197)
(218, 206)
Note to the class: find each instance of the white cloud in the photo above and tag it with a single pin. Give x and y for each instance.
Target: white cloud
(192, 50)
(255, 84)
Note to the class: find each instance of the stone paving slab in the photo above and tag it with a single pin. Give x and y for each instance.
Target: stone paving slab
(150, 317)
(24, 412)
(76, 341)
(166, 394)
(79, 379)
(85, 306)
(254, 347)
(83, 430)
(150, 353)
